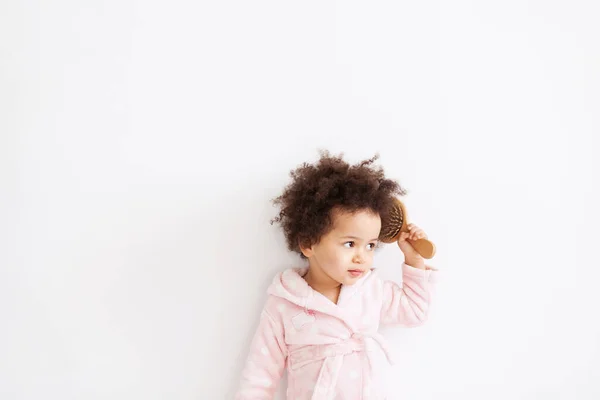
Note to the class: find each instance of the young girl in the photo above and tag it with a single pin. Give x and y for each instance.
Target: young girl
(321, 321)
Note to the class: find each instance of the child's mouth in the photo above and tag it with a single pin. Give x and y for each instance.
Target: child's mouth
(355, 272)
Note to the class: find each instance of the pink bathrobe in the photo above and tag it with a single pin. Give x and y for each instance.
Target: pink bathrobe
(328, 348)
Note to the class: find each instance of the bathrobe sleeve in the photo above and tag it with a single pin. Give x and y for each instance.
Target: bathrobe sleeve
(408, 304)
(266, 361)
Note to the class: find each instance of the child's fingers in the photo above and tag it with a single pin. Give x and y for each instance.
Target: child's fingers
(416, 233)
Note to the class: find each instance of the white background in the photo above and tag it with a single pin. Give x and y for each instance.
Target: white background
(141, 143)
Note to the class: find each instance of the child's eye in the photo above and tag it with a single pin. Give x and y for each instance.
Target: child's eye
(350, 244)
(372, 246)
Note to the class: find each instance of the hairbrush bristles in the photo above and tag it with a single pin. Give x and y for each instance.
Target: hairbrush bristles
(391, 223)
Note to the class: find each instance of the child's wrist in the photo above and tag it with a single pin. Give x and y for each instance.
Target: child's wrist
(419, 264)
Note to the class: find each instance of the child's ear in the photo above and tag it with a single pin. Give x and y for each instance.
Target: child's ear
(307, 251)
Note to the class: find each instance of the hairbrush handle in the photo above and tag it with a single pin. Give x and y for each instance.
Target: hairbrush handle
(424, 247)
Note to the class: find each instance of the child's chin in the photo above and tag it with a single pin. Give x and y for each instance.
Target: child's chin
(349, 281)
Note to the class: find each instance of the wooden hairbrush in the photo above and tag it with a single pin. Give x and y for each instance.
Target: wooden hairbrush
(395, 222)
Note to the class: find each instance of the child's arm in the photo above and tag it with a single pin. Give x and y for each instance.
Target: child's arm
(408, 305)
(266, 361)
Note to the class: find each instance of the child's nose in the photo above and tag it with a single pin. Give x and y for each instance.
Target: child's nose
(358, 258)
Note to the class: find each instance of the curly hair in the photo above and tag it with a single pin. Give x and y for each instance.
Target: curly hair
(306, 203)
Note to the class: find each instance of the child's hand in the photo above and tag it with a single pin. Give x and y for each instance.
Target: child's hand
(411, 257)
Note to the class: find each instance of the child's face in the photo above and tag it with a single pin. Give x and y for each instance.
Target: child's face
(345, 253)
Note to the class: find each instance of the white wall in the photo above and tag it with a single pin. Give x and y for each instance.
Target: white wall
(141, 142)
